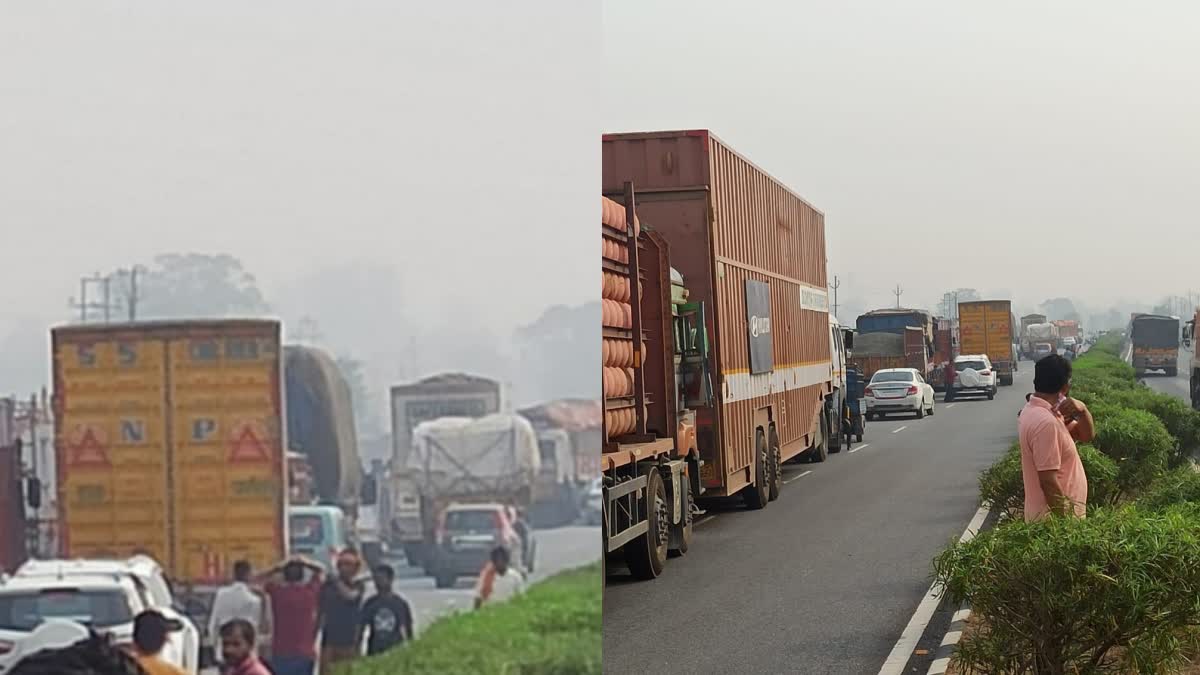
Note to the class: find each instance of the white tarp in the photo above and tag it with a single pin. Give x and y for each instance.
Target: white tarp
(1042, 331)
(465, 456)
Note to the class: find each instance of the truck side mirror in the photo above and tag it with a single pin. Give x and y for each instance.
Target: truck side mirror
(848, 339)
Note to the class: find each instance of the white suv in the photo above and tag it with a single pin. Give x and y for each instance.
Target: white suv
(104, 594)
(973, 374)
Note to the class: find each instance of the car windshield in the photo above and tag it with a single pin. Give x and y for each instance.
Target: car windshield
(471, 521)
(895, 376)
(973, 365)
(306, 530)
(100, 609)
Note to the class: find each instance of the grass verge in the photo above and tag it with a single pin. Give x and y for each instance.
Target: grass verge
(553, 629)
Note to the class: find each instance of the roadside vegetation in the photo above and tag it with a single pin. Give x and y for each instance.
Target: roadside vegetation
(553, 629)
(1115, 592)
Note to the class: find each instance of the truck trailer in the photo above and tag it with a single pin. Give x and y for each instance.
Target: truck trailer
(1154, 343)
(170, 442)
(752, 253)
(986, 328)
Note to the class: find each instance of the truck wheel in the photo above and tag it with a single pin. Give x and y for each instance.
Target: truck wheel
(681, 534)
(820, 451)
(775, 482)
(647, 555)
(757, 494)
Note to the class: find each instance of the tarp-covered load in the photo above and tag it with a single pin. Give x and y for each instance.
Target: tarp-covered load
(879, 344)
(320, 422)
(494, 456)
(1042, 332)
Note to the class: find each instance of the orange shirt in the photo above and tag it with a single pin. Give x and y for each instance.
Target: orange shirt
(1046, 445)
(153, 665)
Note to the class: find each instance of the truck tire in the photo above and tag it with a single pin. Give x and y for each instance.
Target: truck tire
(836, 433)
(775, 479)
(819, 452)
(647, 555)
(681, 534)
(757, 494)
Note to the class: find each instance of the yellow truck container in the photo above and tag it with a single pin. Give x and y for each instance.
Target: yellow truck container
(986, 327)
(170, 442)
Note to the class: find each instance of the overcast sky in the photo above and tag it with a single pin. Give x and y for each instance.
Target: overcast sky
(450, 139)
(456, 142)
(1036, 148)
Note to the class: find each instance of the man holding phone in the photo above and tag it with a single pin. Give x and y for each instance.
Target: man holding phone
(1048, 427)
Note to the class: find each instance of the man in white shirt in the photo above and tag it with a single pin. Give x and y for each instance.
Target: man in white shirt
(235, 601)
(498, 581)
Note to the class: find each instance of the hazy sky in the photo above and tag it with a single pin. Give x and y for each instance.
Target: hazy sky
(1039, 148)
(456, 141)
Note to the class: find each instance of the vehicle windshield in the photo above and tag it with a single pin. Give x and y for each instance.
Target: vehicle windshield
(100, 609)
(306, 529)
(973, 365)
(896, 376)
(471, 521)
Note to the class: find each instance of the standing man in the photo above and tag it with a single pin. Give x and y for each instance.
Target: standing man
(340, 612)
(499, 581)
(386, 617)
(1048, 427)
(294, 612)
(235, 601)
(150, 630)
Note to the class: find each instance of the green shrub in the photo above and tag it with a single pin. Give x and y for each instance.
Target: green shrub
(1115, 592)
(1180, 486)
(1180, 420)
(553, 629)
(1138, 442)
(1001, 485)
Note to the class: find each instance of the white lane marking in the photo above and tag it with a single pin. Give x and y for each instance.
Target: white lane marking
(859, 447)
(702, 521)
(895, 662)
(796, 477)
(950, 405)
(896, 431)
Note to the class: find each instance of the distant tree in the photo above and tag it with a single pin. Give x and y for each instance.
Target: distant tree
(558, 352)
(192, 285)
(1060, 309)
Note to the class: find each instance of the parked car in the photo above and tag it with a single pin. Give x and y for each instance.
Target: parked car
(105, 595)
(466, 535)
(593, 502)
(973, 375)
(896, 390)
(1042, 349)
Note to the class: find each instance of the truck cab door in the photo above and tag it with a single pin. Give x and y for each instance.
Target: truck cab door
(694, 376)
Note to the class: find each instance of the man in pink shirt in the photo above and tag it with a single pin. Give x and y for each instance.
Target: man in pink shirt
(1048, 427)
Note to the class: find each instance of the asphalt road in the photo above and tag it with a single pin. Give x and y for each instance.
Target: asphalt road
(1176, 386)
(825, 579)
(559, 549)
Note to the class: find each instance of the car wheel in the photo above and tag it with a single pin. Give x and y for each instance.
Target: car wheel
(932, 404)
(921, 411)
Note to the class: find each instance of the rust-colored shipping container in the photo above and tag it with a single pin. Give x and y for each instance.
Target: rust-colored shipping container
(753, 252)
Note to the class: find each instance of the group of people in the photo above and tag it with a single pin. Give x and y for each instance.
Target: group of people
(305, 605)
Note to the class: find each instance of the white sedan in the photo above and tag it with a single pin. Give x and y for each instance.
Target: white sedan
(898, 390)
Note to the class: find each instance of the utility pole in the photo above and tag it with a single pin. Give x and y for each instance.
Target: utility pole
(898, 292)
(836, 283)
(84, 306)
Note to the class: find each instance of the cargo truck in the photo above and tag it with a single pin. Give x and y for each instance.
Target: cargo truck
(752, 253)
(874, 352)
(896, 321)
(434, 397)
(569, 441)
(985, 327)
(1154, 343)
(170, 442)
(654, 370)
(456, 460)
